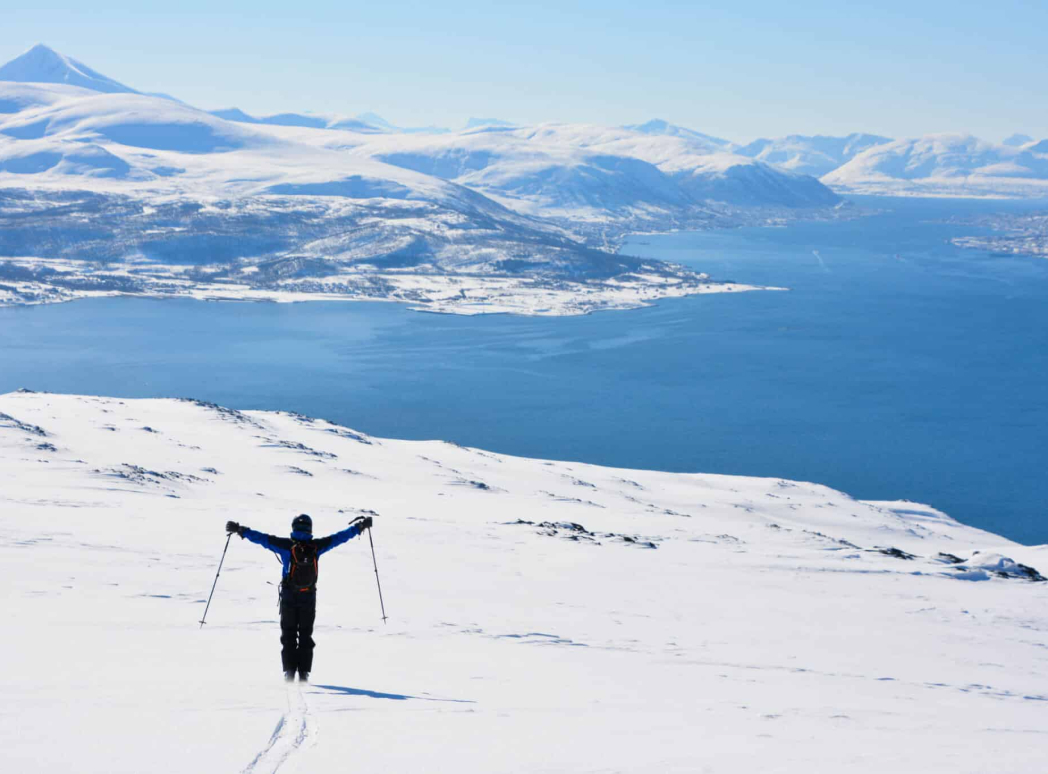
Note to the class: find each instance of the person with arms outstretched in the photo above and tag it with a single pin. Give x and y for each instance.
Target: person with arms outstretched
(298, 585)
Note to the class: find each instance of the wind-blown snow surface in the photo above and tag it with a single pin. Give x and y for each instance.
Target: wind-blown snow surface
(644, 622)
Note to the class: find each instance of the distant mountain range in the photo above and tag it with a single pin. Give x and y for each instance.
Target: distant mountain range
(814, 156)
(296, 196)
(66, 126)
(947, 165)
(104, 189)
(134, 192)
(578, 170)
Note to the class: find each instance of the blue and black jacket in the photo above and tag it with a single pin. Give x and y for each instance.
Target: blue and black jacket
(281, 546)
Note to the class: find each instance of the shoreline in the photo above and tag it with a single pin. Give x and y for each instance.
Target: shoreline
(507, 297)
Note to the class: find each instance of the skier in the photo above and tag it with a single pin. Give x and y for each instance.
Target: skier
(298, 587)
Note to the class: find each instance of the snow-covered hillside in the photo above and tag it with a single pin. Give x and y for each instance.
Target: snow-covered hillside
(945, 165)
(810, 155)
(587, 172)
(544, 616)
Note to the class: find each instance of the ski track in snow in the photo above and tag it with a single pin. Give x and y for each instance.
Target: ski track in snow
(296, 730)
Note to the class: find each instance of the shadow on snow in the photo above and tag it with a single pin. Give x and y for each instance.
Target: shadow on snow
(379, 695)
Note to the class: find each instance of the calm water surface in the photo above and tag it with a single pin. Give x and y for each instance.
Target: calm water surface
(897, 366)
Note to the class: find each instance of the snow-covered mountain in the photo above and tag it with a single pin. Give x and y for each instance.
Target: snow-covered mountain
(543, 616)
(477, 123)
(374, 119)
(41, 64)
(650, 169)
(702, 169)
(810, 155)
(305, 120)
(945, 164)
(661, 127)
(590, 172)
(1017, 140)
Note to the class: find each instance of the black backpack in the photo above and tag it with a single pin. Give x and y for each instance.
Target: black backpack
(302, 575)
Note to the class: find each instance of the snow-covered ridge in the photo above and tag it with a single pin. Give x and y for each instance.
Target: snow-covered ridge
(814, 156)
(946, 165)
(522, 594)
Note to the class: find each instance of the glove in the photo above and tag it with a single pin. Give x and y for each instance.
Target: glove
(232, 526)
(364, 523)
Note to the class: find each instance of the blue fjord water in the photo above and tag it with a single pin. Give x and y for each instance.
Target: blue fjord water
(897, 366)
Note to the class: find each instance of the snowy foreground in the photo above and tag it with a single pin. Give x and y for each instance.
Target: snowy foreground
(642, 622)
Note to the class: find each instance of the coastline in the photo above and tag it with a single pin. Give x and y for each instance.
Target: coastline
(438, 294)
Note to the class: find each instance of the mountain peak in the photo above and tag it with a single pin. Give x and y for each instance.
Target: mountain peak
(376, 120)
(476, 123)
(1017, 140)
(654, 126)
(659, 126)
(42, 64)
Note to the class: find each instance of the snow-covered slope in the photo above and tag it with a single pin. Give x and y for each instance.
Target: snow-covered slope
(544, 616)
(41, 64)
(813, 156)
(16, 97)
(700, 168)
(534, 177)
(170, 148)
(592, 172)
(945, 164)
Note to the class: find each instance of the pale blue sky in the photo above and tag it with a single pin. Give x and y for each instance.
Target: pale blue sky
(735, 69)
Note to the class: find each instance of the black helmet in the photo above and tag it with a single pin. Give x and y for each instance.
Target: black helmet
(302, 523)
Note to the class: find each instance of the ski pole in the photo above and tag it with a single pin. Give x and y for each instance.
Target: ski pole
(375, 561)
(216, 580)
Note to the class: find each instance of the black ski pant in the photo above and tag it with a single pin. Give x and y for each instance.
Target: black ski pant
(298, 610)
